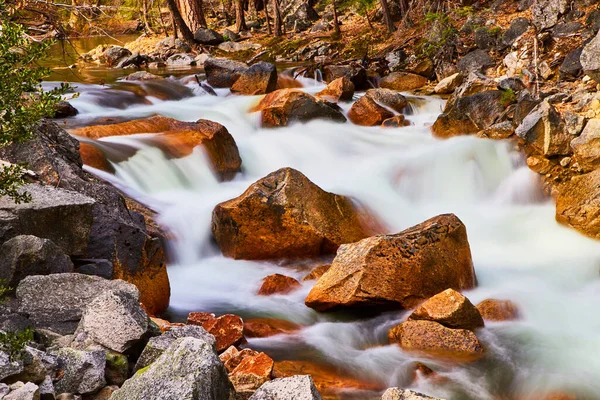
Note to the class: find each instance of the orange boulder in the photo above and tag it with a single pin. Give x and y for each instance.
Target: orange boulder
(340, 89)
(498, 310)
(94, 157)
(450, 309)
(278, 284)
(317, 272)
(227, 329)
(265, 327)
(251, 373)
(232, 357)
(366, 112)
(403, 81)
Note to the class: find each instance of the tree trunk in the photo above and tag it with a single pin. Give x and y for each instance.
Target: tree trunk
(240, 21)
(336, 23)
(265, 3)
(147, 26)
(179, 23)
(386, 16)
(192, 13)
(277, 18)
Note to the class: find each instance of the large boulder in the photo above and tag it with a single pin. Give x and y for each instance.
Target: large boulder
(178, 139)
(403, 81)
(402, 394)
(57, 301)
(353, 72)
(62, 216)
(188, 370)
(586, 147)
(475, 61)
(83, 371)
(517, 28)
(285, 215)
(543, 131)
(113, 55)
(436, 340)
(29, 391)
(450, 309)
(115, 320)
(449, 84)
(339, 89)
(208, 37)
(578, 204)
(300, 387)
(222, 72)
(417, 263)
(545, 13)
(590, 58)
(366, 112)
(388, 98)
(30, 255)
(118, 234)
(285, 106)
(251, 373)
(571, 66)
(260, 78)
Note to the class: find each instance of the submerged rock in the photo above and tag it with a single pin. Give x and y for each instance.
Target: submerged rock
(388, 98)
(284, 106)
(300, 387)
(355, 73)
(260, 78)
(222, 73)
(265, 327)
(408, 260)
(450, 309)
(366, 112)
(498, 310)
(278, 284)
(285, 215)
(340, 89)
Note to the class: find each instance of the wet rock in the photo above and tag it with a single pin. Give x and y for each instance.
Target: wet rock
(355, 73)
(498, 310)
(188, 369)
(396, 121)
(474, 83)
(401, 394)
(316, 272)
(590, 58)
(92, 156)
(227, 329)
(450, 309)
(64, 109)
(178, 139)
(285, 215)
(222, 73)
(83, 371)
(436, 340)
(260, 78)
(470, 114)
(366, 112)
(29, 391)
(340, 89)
(545, 13)
(165, 325)
(438, 247)
(578, 204)
(517, 28)
(388, 98)
(208, 37)
(232, 357)
(61, 216)
(157, 345)
(448, 84)
(403, 81)
(115, 320)
(543, 131)
(113, 55)
(198, 318)
(30, 255)
(265, 327)
(284, 106)
(57, 301)
(586, 147)
(142, 76)
(300, 387)
(251, 373)
(278, 284)
(475, 61)
(180, 60)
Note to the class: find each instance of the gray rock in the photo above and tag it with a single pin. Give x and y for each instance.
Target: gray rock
(400, 394)
(574, 123)
(590, 58)
(586, 147)
(117, 368)
(37, 365)
(115, 320)
(114, 54)
(4, 389)
(181, 60)
(222, 73)
(47, 389)
(544, 131)
(299, 387)
(134, 60)
(15, 323)
(142, 76)
(63, 216)
(208, 37)
(188, 370)
(157, 345)
(485, 39)
(514, 84)
(593, 20)
(545, 13)
(356, 73)
(475, 61)
(97, 267)
(9, 367)
(517, 28)
(231, 35)
(231, 47)
(566, 29)
(176, 45)
(571, 66)
(26, 255)
(396, 59)
(83, 371)
(303, 13)
(29, 391)
(57, 301)
(321, 26)
(64, 109)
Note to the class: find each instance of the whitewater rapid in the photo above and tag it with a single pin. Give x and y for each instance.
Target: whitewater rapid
(404, 176)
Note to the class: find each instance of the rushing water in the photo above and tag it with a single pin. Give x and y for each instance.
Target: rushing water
(404, 176)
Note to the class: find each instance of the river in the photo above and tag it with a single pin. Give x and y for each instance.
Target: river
(404, 176)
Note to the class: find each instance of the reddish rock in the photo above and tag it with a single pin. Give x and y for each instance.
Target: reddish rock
(366, 112)
(284, 106)
(578, 204)
(251, 373)
(403, 81)
(278, 284)
(317, 272)
(94, 157)
(165, 325)
(227, 329)
(260, 78)
(287, 82)
(436, 340)
(498, 310)
(199, 318)
(340, 89)
(354, 72)
(285, 215)
(232, 357)
(450, 309)
(265, 327)
(388, 98)
(396, 121)
(178, 139)
(397, 271)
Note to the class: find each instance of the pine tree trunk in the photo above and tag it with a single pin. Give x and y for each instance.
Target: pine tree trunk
(336, 23)
(265, 3)
(277, 18)
(386, 16)
(178, 21)
(240, 21)
(192, 13)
